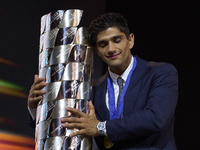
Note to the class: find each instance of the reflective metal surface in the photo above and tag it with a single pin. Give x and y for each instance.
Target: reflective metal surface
(53, 19)
(43, 72)
(52, 90)
(71, 18)
(89, 56)
(55, 72)
(65, 36)
(86, 143)
(77, 53)
(44, 57)
(84, 90)
(60, 54)
(69, 89)
(44, 111)
(60, 110)
(75, 89)
(43, 24)
(66, 63)
(56, 129)
(77, 143)
(41, 43)
(54, 143)
(39, 145)
(77, 71)
(82, 105)
(41, 130)
(49, 38)
(82, 36)
(73, 143)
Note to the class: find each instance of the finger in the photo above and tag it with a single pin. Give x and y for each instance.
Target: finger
(92, 108)
(70, 120)
(88, 108)
(37, 79)
(36, 93)
(37, 88)
(72, 125)
(76, 112)
(34, 98)
(33, 102)
(39, 85)
(78, 132)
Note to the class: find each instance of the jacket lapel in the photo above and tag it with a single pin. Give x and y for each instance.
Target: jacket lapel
(130, 97)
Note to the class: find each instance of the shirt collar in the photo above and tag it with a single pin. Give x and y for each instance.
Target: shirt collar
(124, 75)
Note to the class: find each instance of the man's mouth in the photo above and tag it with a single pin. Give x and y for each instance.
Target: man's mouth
(113, 56)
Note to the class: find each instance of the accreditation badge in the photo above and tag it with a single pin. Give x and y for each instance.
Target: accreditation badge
(107, 142)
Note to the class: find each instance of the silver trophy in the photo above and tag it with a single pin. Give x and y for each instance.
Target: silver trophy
(66, 63)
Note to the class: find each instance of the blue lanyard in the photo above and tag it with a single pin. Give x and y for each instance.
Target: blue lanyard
(116, 113)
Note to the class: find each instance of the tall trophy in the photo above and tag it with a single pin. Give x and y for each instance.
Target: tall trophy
(66, 63)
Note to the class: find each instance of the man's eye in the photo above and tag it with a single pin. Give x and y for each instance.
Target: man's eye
(102, 45)
(117, 40)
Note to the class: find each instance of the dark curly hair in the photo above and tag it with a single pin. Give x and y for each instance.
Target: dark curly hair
(108, 20)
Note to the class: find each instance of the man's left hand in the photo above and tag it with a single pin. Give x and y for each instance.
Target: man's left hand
(85, 123)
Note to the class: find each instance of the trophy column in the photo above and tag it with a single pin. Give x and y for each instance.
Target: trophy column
(66, 63)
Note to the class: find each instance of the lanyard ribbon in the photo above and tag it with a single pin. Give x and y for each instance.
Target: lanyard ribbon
(116, 113)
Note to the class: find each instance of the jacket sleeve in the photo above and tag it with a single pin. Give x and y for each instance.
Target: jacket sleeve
(158, 113)
(31, 122)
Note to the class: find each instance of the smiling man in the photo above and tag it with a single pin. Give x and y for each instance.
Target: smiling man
(139, 113)
(133, 103)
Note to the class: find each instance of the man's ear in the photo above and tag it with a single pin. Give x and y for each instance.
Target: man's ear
(131, 40)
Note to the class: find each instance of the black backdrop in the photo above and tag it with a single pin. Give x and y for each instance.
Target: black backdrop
(164, 31)
(169, 31)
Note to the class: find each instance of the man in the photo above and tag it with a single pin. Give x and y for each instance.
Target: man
(137, 114)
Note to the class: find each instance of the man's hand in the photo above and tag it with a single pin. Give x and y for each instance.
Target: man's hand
(86, 123)
(36, 92)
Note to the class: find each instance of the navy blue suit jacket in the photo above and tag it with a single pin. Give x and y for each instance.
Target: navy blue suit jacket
(149, 107)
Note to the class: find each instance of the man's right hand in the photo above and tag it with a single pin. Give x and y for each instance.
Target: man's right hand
(36, 93)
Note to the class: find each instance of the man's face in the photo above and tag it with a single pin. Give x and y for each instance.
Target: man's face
(114, 48)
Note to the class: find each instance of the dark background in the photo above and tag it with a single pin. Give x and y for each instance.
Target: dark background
(164, 31)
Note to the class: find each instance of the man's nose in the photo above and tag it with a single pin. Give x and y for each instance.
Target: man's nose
(111, 46)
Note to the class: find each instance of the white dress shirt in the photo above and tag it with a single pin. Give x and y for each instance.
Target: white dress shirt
(114, 77)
